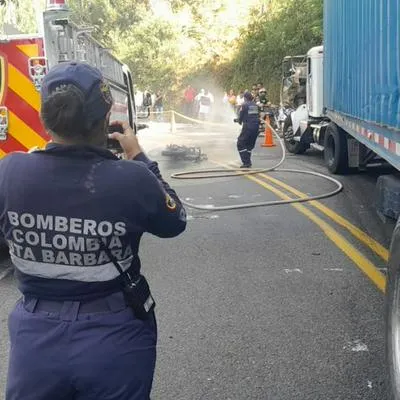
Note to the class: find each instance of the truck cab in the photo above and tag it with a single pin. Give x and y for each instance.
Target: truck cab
(310, 125)
(315, 82)
(304, 127)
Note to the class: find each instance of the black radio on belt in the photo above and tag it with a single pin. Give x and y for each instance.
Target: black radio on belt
(138, 296)
(135, 288)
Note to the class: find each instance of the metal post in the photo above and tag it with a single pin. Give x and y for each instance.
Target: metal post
(173, 124)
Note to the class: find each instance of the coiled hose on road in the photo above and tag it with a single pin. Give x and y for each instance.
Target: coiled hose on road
(224, 173)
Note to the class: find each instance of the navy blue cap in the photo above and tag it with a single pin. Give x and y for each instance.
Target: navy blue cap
(97, 94)
(247, 95)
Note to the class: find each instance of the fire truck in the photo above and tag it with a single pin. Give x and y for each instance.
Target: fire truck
(25, 60)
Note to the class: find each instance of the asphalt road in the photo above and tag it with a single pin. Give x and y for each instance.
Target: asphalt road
(260, 303)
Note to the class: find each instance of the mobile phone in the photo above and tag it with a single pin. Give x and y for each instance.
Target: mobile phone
(113, 144)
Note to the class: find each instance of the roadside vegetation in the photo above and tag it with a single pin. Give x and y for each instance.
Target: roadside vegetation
(168, 44)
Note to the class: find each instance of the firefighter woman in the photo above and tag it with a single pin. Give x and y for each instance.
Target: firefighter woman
(73, 215)
(249, 119)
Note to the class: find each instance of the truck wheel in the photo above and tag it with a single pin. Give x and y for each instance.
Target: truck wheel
(392, 317)
(335, 149)
(291, 145)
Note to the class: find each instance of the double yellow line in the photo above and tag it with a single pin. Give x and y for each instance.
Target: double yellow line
(362, 262)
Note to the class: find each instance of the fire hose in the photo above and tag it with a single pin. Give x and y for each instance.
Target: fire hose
(211, 173)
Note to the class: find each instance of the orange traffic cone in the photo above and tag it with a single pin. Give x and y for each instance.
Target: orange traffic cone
(269, 141)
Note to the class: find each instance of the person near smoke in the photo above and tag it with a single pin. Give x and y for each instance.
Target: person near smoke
(239, 99)
(248, 118)
(158, 106)
(147, 99)
(205, 100)
(232, 99)
(188, 100)
(254, 91)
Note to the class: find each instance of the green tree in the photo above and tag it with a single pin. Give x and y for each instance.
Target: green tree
(108, 16)
(231, 42)
(151, 51)
(285, 29)
(20, 14)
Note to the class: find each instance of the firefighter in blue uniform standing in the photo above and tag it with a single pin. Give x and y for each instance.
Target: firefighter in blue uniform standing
(249, 119)
(73, 215)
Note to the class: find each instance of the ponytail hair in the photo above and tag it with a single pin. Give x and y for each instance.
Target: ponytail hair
(63, 112)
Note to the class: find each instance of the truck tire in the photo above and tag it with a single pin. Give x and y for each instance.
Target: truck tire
(335, 150)
(291, 145)
(392, 317)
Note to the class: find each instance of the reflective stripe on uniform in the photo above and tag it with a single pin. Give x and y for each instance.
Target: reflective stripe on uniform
(96, 273)
(253, 110)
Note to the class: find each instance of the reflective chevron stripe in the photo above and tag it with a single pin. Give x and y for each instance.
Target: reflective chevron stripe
(97, 273)
(18, 94)
(388, 144)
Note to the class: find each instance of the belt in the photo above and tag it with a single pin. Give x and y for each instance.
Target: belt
(112, 303)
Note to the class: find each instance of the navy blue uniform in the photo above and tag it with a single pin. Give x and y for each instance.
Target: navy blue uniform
(248, 117)
(72, 336)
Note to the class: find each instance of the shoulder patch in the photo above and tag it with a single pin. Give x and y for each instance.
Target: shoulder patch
(182, 215)
(170, 202)
(106, 92)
